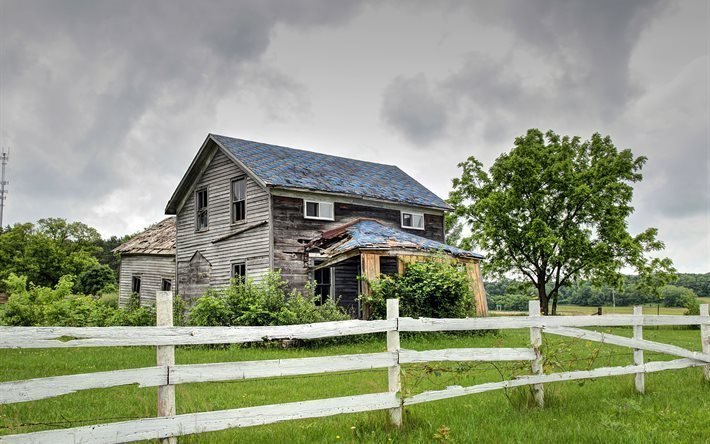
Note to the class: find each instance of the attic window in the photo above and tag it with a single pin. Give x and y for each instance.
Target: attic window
(239, 196)
(318, 210)
(414, 221)
(201, 211)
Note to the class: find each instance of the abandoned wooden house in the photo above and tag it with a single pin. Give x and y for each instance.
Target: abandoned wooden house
(243, 208)
(147, 263)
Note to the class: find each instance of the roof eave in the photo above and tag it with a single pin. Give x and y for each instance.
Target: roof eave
(359, 196)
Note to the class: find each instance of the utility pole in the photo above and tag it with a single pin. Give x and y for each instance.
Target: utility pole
(4, 159)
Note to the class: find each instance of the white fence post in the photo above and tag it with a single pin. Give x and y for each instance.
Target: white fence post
(393, 377)
(638, 354)
(705, 335)
(165, 357)
(536, 343)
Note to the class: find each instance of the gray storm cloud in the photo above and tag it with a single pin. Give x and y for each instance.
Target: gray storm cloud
(104, 103)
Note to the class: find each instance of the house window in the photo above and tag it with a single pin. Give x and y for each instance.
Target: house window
(318, 210)
(167, 285)
(239, 196)
(323, 280)
(136, 285)
(239, 271)
(413, 220)
(201, 211)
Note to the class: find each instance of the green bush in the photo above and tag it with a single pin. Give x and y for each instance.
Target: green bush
(95, 279)
(45, 306)
(263, 303)
(677, 296)
(434, 289)
(509, 302)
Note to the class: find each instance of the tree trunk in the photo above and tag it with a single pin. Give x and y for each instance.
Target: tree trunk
(544, 299)
(554, 305)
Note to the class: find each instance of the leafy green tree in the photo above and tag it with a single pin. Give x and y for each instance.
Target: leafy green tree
(94, 279)
(673, 296)
(555, 209)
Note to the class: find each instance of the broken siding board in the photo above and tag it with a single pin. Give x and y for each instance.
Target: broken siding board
(152, 269)
(250, 246)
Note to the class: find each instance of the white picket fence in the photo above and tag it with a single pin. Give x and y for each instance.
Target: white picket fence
(166, 374)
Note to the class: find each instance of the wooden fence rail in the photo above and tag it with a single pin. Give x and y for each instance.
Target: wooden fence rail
(167, 426)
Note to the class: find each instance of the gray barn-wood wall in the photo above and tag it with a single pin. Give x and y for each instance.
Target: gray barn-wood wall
(251, 246)
(292, 231)
(152, 269)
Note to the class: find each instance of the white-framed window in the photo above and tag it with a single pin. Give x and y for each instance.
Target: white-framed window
(201, 210)
(313, 209)
(414, 221)
(239, 197)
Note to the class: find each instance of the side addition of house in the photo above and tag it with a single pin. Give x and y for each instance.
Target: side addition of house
(243, 208)
(147, 263)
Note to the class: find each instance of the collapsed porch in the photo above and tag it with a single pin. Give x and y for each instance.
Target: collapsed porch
(368, 248)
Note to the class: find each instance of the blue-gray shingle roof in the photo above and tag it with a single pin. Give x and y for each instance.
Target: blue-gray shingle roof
(292, 168)
(367, 233)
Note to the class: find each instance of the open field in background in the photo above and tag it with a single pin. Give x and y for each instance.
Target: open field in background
(604, 410)
(576, 310)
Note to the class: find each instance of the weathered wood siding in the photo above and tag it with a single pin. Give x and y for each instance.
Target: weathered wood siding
(152, 269)
(292, 230)
(250, 246)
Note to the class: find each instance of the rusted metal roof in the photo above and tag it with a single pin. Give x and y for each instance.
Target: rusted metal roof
(372, 234)
(157, 239)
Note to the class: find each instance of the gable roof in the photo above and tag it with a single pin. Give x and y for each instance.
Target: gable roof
(283, 167)
(157, 239)
(372, 234)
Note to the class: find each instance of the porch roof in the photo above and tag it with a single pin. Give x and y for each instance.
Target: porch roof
(372, 234)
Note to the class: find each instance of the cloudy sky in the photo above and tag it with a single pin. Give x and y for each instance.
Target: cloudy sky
(104, 103)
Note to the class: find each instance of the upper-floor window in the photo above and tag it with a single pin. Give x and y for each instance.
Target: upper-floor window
(239, 198)
(413, 220)
(201, 210)
(318, 210)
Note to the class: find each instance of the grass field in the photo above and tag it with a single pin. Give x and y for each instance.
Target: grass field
(675, 408)
(576, 310)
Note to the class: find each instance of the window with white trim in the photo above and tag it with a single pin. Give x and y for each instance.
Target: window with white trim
(318, 210)
(414, 221)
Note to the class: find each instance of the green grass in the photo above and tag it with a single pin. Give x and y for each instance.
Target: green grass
(576, 310)
(608, 410)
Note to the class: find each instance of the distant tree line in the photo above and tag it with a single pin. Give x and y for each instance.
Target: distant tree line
(510, 294)
(45, 251)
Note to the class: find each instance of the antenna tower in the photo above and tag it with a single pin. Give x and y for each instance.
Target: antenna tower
(4, 159)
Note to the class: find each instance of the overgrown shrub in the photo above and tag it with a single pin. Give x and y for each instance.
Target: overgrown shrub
(677, 296)
(435, 289)
(509, 302)
(31, 305)
(262, 303)
(95, 279)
